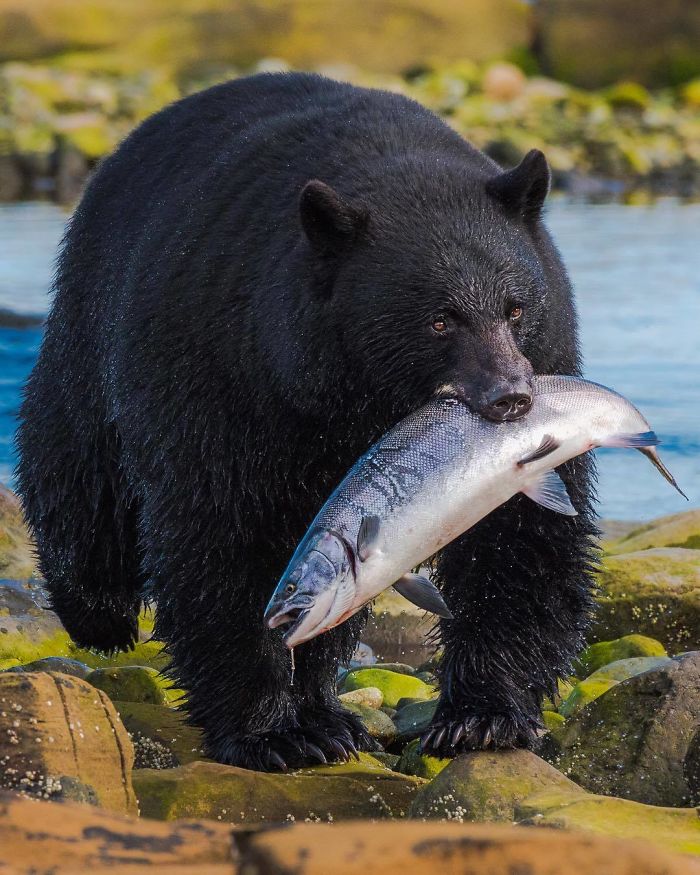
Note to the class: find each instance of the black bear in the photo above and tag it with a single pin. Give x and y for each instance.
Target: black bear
(260, 281)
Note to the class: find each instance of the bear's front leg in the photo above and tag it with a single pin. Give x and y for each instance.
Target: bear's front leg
(519, 586)
(255, 712)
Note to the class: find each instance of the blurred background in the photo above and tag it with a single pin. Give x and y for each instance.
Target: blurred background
(608, 89)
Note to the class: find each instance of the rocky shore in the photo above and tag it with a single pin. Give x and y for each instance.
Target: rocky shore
(58, 119)
(619, 759)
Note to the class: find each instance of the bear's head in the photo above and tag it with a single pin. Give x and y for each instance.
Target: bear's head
(441, 280)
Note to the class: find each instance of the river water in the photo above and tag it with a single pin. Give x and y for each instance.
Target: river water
(636, 271)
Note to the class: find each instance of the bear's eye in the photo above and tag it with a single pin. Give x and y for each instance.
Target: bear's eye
(515, 313)
(439, 324)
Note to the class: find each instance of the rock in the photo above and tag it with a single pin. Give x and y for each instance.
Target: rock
(622, 669)
(487, 786)
(378, 724)
(413, 720)
(672, 829)
(370, 697)
(70, 174)
(54, 726)
(57, 665)
(129, 683)
(12, 182)
(654, 592)
(583, 693)
(604, 652)
(393, 686)
(74, 839)
(173, 742)
(16, 556)
(386, 759)
(398, 667)
(363, 655)
(348, 790)
(638, 740)
(677, 530)
(503, 82)
(413, 762)
(396, 848)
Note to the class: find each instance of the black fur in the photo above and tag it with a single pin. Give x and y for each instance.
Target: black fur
(220, 350)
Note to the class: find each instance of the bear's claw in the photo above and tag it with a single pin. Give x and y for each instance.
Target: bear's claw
(450, 737)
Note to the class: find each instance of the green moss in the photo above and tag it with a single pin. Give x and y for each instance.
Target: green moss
(166, 726)
(677, 530)
(629, 95)
(351, 790)
(623, 669)
(394, 686)
(674, 829)
(413, 762)
(583, 693)
(129, 683)
(603, 653)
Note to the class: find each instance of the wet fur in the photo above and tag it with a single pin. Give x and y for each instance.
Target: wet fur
(209, 373)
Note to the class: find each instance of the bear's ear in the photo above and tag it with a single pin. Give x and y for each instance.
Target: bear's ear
(523, 189)
(329, 221)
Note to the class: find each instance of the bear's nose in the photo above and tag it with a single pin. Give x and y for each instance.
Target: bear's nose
(506, 405)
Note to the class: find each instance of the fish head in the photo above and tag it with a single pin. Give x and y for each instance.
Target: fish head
(316, 589)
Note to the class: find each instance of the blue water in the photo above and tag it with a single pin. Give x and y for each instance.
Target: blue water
(636, 270)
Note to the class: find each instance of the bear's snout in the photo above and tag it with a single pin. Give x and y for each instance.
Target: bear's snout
(506, 400)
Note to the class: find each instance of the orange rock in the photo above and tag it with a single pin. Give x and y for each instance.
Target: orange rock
(61, 737)
(449, 849)
(65, 838)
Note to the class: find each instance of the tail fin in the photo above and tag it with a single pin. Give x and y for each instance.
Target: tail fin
(653, 457)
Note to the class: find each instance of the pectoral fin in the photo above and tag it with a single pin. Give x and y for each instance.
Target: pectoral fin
(367, 536)
(422, 593)
(549, 491)
(548, 445)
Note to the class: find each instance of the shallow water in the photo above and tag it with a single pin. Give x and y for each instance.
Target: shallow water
(636, 270)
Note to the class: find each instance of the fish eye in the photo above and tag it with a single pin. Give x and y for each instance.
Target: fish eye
(290, 587)
(515, 313)
(439, 324)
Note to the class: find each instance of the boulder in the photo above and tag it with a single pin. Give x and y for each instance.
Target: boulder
(654, 592)
(413, 720)
(451, 849)
(393, 686)
(677, 530)
(604, 652)
(57, 665)
(413, 762)
(583, 693)
(365, 789)
(377, 723)
(74, 839)
(129, 683)
(56, 727)
(672, 829)
(370, 697)
(16, 551)
(487, 786)
(161, 735)
(639, 739)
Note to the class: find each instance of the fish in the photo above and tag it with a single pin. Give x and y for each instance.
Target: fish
(430, 479)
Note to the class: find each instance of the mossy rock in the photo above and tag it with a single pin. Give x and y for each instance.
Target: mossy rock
(166, 727)
(398, 667)
(348, 790)
(653, 592)
(129, 683)
(377, 723)
(603, 653)
(414, 720)
(16, 549)
(640, 740)
(584, 693)
(673, 829)
(485, 786)
(623, 669)
(394, 686)
(60, 664)
(677, 530)
(370, 697)
(413, 762)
